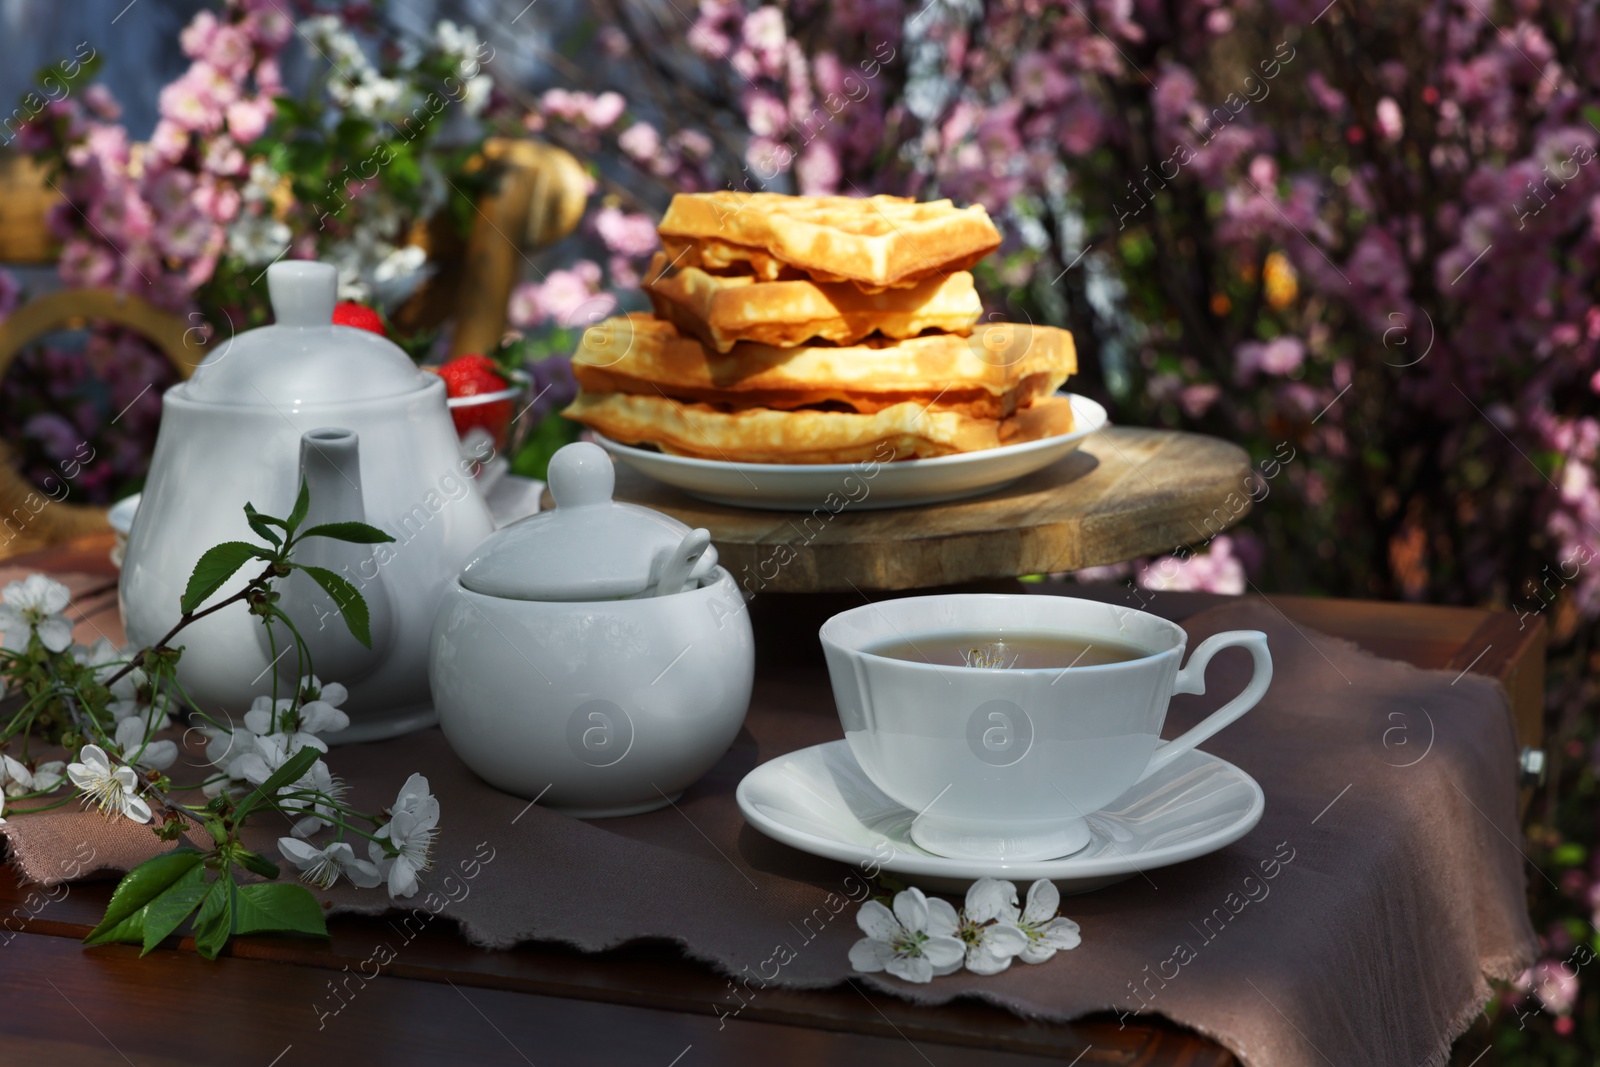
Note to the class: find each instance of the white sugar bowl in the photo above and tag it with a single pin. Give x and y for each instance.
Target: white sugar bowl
(593, 657)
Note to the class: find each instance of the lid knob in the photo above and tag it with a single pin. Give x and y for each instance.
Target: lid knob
(580, 474)
(303, 292)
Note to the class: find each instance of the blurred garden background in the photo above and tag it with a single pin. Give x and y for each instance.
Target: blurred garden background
(1361, 239)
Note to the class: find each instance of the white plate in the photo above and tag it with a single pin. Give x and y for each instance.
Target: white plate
(806, 486)
(818, 801)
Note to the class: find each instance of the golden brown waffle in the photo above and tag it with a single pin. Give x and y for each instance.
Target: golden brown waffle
(761, 435)
(724, 309)
(640, 354)
(874, 241)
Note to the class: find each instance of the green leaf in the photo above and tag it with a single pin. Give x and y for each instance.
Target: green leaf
(262, 524)
(278, 907)
(214, 568)
(256, 863)
(357, 533)
(215, 921)
(164, 914)
(351, 605)
(302, 504)
(124, 918)
(293, 769)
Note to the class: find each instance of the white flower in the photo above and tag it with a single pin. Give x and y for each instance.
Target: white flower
(16, 777)
(475, 94)
(915, 941)
(48, 776)
(988, 928)
(315, 716)
(147, 755)
(321, 780)
(258, 239)
(259, 757)
(35, 605)
(111, 789)
(313, 690)
(322, 867)
(1047, 932)
(414, 822)
(19, 781)
(134, 696)
(105, 657)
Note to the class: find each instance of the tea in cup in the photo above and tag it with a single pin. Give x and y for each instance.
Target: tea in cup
(1003, 721)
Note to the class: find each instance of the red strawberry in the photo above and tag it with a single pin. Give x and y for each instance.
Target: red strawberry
(474, 376)
(349, 313)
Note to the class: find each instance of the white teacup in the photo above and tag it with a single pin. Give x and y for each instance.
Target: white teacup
(1006, 763)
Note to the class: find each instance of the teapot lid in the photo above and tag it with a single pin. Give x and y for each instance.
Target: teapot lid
(303, 357)
(589, 547)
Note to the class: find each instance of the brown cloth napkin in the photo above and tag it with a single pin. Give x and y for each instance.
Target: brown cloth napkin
(1357, 924)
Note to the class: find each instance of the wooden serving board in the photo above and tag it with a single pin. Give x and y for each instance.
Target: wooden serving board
(1127, 492)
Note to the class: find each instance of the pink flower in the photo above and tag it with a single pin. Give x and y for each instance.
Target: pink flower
(1175, 91)
(123, 216)
(524, 310)
(1039, 79)
(625, 234)
(1196, 400)
(568, 297)
(218, 200)
(640, 141)
(1218, 570)
(605, 109)
(98, 99)
(230, 51)
(1281, 355)
(613, 41)
(1555, 983)
(190, 104)
(196, 37)
(248, 119)
(223, 157)
(764, 113)
(1391, 124)
(186, 235)
(269, 78)
(818, 172)
(623, 274)
(764, 31)
(1327, 97)
(697, 146)
(170, 190)
(86, 264)
(269, 26)
(1082, 128)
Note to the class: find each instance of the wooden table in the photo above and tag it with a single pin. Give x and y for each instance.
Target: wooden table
(442, 1001)
(1127, 492)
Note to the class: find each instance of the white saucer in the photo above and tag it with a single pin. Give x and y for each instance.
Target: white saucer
(818, 801)
(859, 486)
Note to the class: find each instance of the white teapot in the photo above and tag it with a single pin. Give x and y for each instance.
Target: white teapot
(372, 436)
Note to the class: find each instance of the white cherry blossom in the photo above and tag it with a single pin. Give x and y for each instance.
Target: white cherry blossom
(111, 789)
(916, 941)
(322, 867)
(34, 606)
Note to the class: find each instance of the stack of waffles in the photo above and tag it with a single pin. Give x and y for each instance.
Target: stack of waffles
(820, 330)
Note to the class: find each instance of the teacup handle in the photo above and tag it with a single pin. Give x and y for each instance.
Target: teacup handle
(1192, 679)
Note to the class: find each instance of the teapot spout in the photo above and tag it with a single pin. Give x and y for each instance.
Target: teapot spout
(330, 463)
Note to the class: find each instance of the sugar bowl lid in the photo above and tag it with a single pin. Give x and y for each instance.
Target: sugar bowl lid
(303, 358)
(589, 547)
